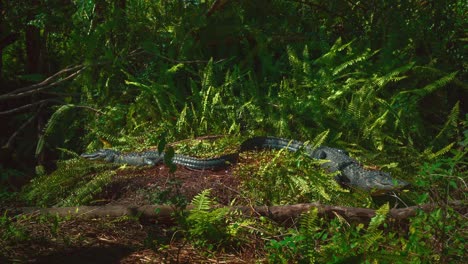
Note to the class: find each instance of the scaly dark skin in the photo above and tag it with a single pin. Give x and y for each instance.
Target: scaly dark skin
(152, 158)
(351, 174)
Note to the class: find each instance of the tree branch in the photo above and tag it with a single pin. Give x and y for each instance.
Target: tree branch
(47, 83)
(90, 108)
(13, 136)
(188, 62)
(282, 214)
(18, 109)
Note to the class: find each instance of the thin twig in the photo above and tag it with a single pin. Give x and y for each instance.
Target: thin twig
(18, 109)
(42, 85)
(13, 136)
(188, 62)
(46, 81)
(89, 108)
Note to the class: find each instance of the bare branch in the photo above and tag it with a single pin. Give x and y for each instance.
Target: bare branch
(89, 108)
(47, 83)
(188, 62)
(19, 109)
(15, 134)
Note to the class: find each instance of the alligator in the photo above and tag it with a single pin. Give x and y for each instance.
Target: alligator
(152, 158)
(350, 172)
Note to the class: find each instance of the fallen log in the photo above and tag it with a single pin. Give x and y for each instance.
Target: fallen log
(165, 213)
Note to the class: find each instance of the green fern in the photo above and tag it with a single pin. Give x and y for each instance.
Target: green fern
(450, 125)
(333, 52)
(296, 64)
(395, 75)
(285, 178)
(310, 229)
(373, 234)
(430, 88)
(51, 189)
(433, 155)
(207, 229)
(202, 201)
(320, 138)
(351, 62)
(50, 126)
(379, 218)
(182, 121)
(306, 65)
(86, 193)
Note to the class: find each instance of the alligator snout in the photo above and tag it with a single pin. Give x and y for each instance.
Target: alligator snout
(382, 183)
(100, 154)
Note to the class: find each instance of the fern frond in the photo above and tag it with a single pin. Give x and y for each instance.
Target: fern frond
(393, 76)
(60, 184)
(182, 121)
(208, 75)
(320, 138)
(371, 239)
(428, 89)
(202, 201)
(333, 52)
(298, 183)
(106, 137)
(363, 57)
(451, 121)
(309, 222)
(69, 152)
(441, 151)
(86, 193)
(379, 218)
(306, 67)
(51, 123)
(378, 123)
(294, 61)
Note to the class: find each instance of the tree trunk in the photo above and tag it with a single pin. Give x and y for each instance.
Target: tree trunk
(33, 49)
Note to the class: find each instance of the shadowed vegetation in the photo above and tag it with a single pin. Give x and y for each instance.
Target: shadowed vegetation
(385, 81)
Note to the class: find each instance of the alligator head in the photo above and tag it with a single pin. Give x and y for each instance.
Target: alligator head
(353, 174)
(375, 181)
(108, 155)
(136, 159)
(381, 182)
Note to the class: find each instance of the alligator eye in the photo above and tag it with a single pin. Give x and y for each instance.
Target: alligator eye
(322, 155)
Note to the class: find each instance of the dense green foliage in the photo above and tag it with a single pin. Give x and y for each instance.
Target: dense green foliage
(295, 69)
(73, 183)
(385, 80)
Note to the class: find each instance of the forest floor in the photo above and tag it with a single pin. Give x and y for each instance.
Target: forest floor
(125, 240)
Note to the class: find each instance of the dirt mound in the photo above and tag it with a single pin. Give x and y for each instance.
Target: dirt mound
(157, 185)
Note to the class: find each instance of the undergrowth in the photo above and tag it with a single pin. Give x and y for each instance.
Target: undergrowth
(336, 241)
(380, 80)
(284, 178)
(73, 183)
